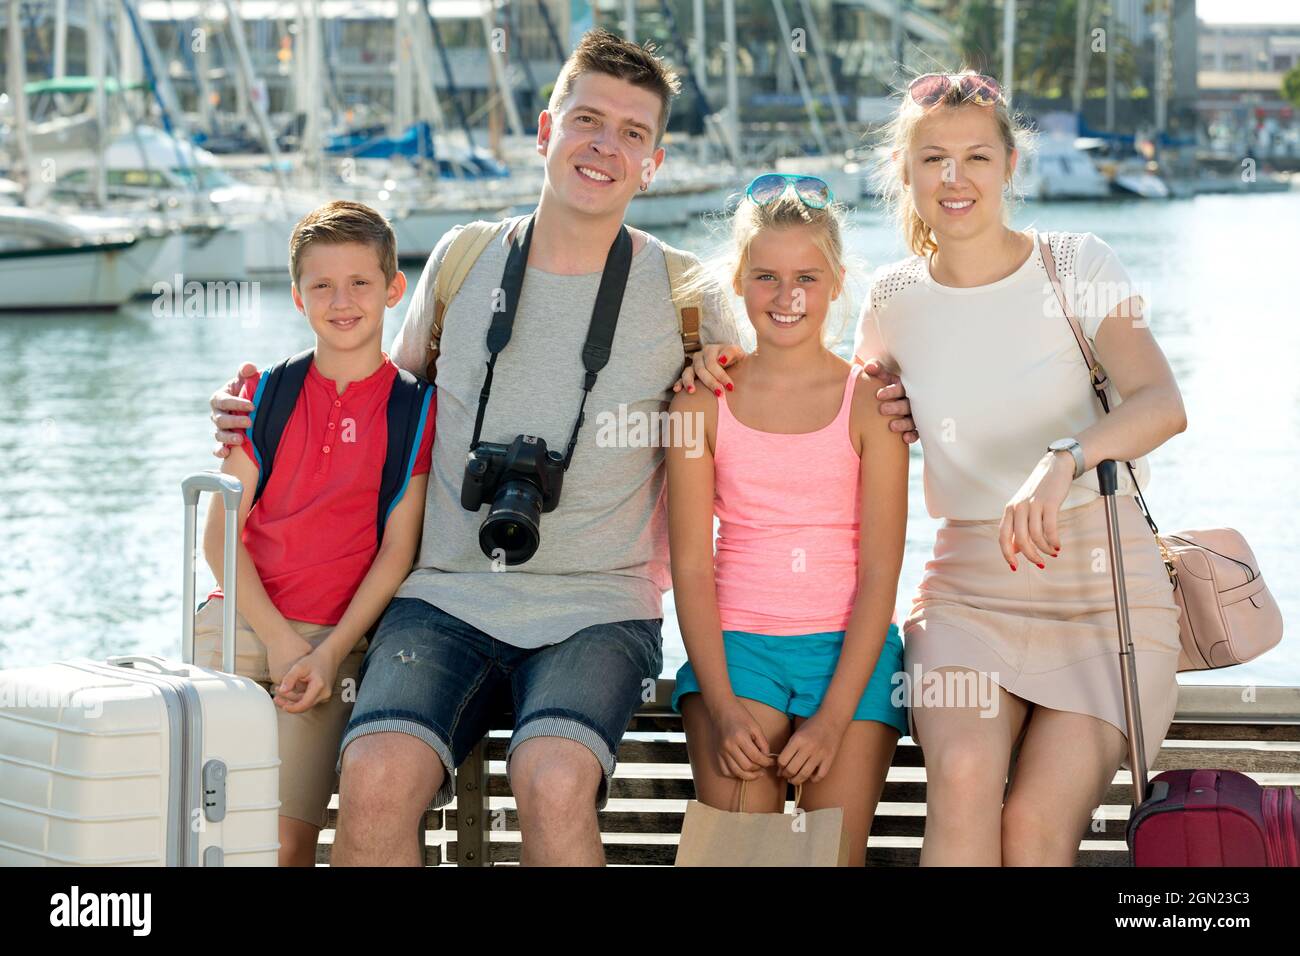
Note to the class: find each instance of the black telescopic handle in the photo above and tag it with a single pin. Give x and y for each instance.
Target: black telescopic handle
(1106, 476)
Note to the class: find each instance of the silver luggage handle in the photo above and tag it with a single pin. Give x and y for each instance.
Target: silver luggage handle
(1137, 759)
(232, 491)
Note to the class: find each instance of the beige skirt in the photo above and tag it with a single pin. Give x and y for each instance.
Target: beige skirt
(1049, 636)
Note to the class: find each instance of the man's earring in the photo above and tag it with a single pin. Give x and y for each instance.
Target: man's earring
(644, 187)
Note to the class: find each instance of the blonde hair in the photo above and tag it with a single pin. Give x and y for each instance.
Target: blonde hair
(734, 233)
(896, 137)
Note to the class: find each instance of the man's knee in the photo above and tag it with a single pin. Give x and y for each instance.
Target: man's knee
(554, 777)
(387, 778)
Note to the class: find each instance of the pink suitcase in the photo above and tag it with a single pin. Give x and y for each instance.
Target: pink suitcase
(1192, 817)
(1215, 818)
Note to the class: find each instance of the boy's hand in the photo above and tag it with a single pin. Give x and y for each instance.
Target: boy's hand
(893, 401)
(283, 651)
(229, 412)
(308, 683)
(808, 754)
(707, 366)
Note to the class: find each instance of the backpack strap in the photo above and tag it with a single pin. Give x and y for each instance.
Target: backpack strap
(688, 298)
(408, 410)
(273, 403)
(461, 255)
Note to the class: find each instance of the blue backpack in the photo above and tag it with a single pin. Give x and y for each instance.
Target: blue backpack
(408, 408)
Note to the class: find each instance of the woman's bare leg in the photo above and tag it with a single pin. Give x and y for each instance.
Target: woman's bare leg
(1065, 765)
(967, 752)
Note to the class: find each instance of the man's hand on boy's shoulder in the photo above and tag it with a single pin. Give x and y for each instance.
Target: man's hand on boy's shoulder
(230, 412)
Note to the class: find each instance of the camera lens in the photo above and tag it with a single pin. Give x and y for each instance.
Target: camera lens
(511, 526)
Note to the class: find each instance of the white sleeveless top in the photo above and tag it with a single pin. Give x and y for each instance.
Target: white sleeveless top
(993, 372)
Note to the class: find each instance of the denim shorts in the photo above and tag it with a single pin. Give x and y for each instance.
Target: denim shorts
(431, 675)
(793, 673)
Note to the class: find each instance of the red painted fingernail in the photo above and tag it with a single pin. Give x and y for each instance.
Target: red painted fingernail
(1012, 566)
(691, 390)
(718, 392)
(722, 360)
(1041, 565)
(730, 388)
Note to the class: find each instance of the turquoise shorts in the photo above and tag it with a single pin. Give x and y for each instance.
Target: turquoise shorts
(793, 673)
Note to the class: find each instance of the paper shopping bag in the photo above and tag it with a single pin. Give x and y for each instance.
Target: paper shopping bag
(713, 837)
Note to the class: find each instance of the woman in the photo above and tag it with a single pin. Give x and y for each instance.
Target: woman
(1022, 659)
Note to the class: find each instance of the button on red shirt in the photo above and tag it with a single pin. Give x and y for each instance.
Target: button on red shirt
(312, 534)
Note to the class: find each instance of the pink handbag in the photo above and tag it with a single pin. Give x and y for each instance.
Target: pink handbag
(1227, 614)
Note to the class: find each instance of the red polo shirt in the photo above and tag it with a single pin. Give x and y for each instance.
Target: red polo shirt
(312, 534)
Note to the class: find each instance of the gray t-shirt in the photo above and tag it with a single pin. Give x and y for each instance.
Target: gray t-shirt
(604, 549)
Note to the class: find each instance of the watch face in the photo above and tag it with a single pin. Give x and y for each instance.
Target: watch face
(1062, 444)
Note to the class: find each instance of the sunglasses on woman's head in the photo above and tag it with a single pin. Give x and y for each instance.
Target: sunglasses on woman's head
(812, 192)
(976, 88)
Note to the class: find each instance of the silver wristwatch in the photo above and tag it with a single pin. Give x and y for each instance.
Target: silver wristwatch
(1074, 448)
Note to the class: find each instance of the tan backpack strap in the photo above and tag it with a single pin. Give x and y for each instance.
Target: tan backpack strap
(461, 255)
(687, 301)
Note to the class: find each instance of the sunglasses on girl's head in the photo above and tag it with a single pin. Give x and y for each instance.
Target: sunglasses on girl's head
(813, 192)
(975, 87)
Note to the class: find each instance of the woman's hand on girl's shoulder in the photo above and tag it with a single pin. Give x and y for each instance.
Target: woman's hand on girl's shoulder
(708, 367)
(891, 399)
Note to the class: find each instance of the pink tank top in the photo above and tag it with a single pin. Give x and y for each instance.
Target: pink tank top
(786, 558)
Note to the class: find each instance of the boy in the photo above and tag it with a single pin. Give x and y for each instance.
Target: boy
(333, 530)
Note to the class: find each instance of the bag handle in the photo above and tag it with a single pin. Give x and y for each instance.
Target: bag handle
(1096, 374)
(740, 800)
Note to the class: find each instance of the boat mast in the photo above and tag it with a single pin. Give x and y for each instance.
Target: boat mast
(1080, 55)
(17, 82)
(95, 39)
(60, 38)
(824, 67)
(810, 107)
(245, 73)
(505, 89)
(1008, 47)
(1111, 50)
(733, 91)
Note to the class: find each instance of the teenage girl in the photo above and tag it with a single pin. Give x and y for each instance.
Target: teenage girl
(787, 625)
(1014, 619)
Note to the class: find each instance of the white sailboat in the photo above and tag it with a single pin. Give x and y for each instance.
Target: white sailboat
(50, 262)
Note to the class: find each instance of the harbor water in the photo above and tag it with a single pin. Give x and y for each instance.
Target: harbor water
(108, 411)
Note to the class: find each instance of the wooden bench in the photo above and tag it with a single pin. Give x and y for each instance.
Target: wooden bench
(1214, 727)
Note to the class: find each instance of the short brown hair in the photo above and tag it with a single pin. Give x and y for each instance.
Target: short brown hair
(344, 221)
(600, 51)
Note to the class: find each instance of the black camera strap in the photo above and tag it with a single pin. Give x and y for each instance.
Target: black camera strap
(600, 334)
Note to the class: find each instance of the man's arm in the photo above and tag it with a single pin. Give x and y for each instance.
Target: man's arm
(410, 349)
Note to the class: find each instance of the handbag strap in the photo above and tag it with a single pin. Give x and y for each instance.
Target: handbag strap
(1096, 374)
(798, 793)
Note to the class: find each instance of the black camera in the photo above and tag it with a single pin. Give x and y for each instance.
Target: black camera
(522, 480)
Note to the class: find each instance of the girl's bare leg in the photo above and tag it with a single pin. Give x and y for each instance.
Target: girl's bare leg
(855, 781)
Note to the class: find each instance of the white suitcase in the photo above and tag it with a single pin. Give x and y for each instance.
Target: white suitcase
(140, 761)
